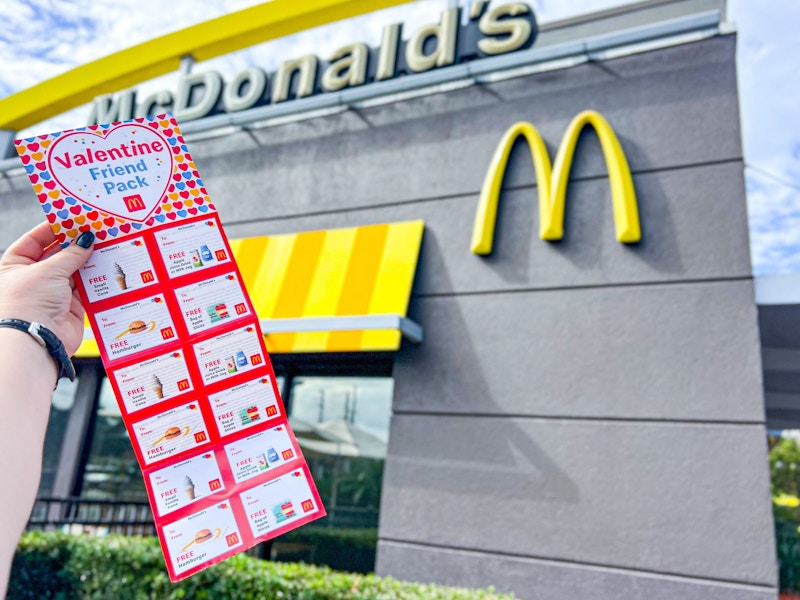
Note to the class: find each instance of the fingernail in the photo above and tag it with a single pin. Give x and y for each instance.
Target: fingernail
(85, 239)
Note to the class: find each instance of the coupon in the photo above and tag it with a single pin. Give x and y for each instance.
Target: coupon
(116, 269)
(152, 381)
(135, 327)
(201, 537)
(212, 302)
(253, 455)
(244, 406)
(171, 432)
(229, 354)
(278, 503)
(192, 247)
(186, 482)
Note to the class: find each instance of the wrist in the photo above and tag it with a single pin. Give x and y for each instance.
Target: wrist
(29, 353)
(47, 340)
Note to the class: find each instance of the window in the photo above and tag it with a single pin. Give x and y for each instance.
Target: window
(342, 426)
(111, 471)
(61, 404)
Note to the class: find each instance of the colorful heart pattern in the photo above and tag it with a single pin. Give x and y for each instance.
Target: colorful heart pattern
(114, 179)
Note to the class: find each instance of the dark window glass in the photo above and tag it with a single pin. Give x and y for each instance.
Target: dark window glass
(342, 426)
(62, 402)
(111, 472)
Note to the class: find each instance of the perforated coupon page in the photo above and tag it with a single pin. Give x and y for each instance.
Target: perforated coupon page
(178, 336)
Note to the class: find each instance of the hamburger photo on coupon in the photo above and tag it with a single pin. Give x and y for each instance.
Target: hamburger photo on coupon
(172, 433)
(203, 536)
(137, 327)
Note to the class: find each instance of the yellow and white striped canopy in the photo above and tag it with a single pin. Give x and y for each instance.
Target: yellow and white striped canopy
(340, 290)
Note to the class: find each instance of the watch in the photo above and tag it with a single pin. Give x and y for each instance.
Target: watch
(47, 339)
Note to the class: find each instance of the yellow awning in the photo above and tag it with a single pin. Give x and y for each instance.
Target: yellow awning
(341, 290)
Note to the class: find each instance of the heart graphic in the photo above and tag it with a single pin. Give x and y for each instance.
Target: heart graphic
(122, 171)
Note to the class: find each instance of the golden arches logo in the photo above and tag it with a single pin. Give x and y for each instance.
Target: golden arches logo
(552, 182)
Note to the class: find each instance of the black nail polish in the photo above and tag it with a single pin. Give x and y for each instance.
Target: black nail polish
(85, 239)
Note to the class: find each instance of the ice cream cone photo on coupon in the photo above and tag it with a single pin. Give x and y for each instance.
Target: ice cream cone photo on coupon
(188, 486)
(171, 434)
(203, 536)
(119, 276)
(137, 327)
(158, 388)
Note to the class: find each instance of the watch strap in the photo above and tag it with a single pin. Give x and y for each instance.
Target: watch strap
(48, 340)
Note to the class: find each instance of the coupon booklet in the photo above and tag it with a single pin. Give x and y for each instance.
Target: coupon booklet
(178, 336)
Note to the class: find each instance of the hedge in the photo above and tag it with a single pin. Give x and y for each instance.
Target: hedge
(788, 546)
(54, 566)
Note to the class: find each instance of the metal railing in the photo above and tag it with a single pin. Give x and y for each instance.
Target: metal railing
(92, 517)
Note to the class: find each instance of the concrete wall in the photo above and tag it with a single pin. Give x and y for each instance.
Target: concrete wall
(583, 417)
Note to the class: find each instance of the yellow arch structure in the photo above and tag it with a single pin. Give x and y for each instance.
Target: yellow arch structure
(216, 37)
(552, 182)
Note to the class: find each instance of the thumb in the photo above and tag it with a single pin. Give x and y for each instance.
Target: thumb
(74, 256)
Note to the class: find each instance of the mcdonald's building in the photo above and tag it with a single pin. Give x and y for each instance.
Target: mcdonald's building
(503, 270)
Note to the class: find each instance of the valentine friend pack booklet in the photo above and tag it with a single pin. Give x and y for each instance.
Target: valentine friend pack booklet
(178, 336)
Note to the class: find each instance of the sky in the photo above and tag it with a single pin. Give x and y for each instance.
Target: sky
(43, 38)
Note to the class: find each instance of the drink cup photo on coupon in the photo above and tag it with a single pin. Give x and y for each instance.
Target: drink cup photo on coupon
(277, 503)
(152, 381)
(244, 406)
(212, 302)
(191, 247)
(229, 354)
(171, 432)
(135, 327)
(114, 270)
(182, 484)
(259, 453)
(201, 537)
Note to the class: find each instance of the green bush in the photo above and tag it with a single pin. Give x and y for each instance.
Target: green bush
(788, 546)
(65, 567)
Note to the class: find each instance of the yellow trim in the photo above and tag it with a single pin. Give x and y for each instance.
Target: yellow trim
(88, 349)
(395, 279)
(552, 182)
(359, 283)
(212, 38)
(327, 287)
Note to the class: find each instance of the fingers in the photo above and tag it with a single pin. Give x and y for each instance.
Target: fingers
(29, 248)
(73, 257)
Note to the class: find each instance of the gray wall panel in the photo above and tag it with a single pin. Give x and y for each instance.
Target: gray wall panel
(423, 156)
(693, 220)
(660, 351)
(532, 579)
(667, 498)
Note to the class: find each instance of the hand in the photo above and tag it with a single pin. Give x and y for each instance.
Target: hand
(36, 283)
